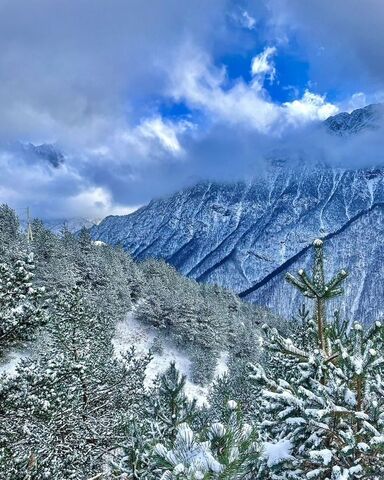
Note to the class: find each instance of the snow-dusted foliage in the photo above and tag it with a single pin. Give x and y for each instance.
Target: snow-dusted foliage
(189, 458)
(322, 404)
(64, 408)
(226, 450)
(20, 301)
(79, 405)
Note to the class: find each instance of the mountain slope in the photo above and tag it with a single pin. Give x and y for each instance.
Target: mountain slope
(245, 236)
(239, 235)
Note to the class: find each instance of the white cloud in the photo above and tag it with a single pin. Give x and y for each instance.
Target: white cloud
(357, 100)
(165, 132)
(95, 202)
(262, 65)
(196, 81)
(310, 107)
(150, 140)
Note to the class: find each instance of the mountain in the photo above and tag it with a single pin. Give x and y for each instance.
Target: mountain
(29, 153)
(56, 225)
(45, 152)
(367, 118)
(244, 236)
(73, 224)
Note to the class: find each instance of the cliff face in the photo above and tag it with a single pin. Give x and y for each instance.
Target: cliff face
(245, 236)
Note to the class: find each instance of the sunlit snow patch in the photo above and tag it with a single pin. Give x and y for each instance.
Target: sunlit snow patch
(275, 453)
(11, 361)
(130, 332)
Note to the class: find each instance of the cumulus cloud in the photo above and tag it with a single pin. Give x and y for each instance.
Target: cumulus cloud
(202, 85)
(310, 107)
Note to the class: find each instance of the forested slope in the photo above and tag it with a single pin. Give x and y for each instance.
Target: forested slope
(304, 406)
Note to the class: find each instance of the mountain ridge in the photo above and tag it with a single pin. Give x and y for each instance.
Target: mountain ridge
(242, 235)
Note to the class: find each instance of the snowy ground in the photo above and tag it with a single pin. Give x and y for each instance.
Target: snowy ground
(11, 361)
(130, 332)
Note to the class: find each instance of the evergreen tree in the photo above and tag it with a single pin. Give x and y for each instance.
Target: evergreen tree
(9, 229)
(171, 407)
(21, 306)
(66, 408)
(322, 406)
(226, 450)
(318, 290)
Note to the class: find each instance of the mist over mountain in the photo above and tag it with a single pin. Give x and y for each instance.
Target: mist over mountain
(29, 152)
(245, 235)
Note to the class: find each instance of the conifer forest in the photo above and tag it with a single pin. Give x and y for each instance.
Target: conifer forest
(299, 399)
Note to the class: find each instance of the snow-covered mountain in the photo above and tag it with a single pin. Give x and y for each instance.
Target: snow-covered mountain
(73, 224)
(56, 225)
(29, 152)
(367, 118)
(246, 235)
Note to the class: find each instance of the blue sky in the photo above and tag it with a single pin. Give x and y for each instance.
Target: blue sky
(144, 98)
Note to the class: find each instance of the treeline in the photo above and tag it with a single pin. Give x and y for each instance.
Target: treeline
(305, 406)
(202, 319)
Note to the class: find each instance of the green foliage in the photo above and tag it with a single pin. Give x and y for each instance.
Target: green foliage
(71, 402)
(312, 407)
(170, 406)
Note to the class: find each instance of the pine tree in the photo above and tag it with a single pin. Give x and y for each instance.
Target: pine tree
(21, 303)
(165, 410)
(317, 289)
(322, 404)
(171, 407)
(226, 450)
(188, 458)
(68, 406)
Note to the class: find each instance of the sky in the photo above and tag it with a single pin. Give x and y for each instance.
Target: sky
(146, 97)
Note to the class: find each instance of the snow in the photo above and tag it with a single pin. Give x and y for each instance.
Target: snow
(130, 332)
(189, 455)
(277, 452)
(12, 360)
(324, 455)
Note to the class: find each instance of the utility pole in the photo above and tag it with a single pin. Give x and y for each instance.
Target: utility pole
(29, 227)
